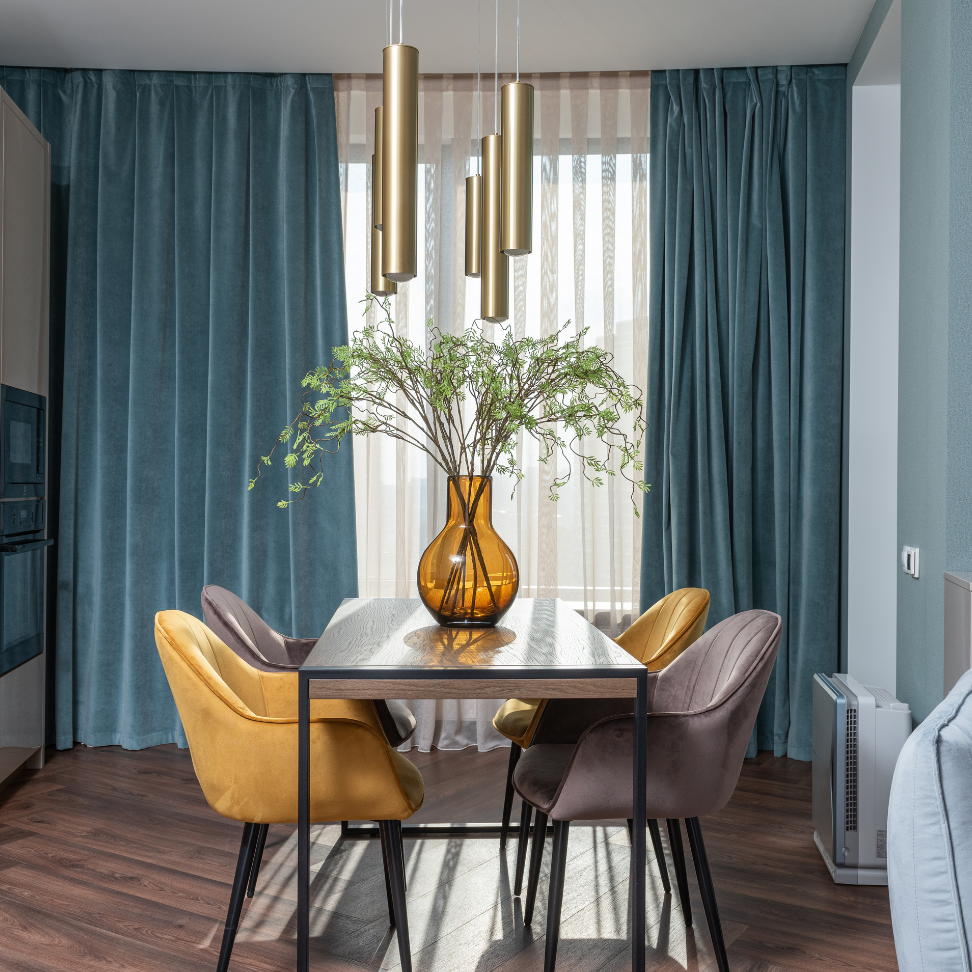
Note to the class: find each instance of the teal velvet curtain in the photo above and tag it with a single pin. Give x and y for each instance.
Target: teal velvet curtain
(198, 275)
(745, 361)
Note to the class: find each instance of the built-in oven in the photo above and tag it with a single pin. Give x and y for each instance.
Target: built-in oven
(22, 573)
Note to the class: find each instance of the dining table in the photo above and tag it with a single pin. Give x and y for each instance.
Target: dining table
(392, 648)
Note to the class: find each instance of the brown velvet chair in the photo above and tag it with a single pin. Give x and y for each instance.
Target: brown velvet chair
(243, 630)
(701, 712)
(657, 638)
(241, 724)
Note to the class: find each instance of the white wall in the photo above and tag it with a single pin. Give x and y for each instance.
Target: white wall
(872, 521)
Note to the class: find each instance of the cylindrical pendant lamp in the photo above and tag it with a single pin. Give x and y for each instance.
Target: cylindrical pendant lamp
(376, 171)
(399, 163)
(517, 227)
(380, 286)
(474, 224)
(494, 281)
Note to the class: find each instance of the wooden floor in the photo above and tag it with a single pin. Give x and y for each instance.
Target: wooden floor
(111, 860)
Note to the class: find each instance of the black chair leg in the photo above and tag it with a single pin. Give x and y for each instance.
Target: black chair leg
(526, 811)
(536, 862)
(659, 854)
(396, 868)
(708, 892)
(243, 864)
(555, 899)
(401, 847)
(508, 799)
(681, 878)
(257, 858)
(384, 864)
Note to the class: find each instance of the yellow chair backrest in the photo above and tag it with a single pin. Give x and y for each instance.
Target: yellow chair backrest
(656, 639)
(667, 628)
(241, 724)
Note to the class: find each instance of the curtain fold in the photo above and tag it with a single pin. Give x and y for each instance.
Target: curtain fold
(745, 361)
(199, 227)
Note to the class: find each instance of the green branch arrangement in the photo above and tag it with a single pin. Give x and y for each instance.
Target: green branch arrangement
(464, 400)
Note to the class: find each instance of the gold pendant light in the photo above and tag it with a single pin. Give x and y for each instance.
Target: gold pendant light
(474, 183)
(399, 186)
(495, 289)
(495, 279)
(474, 225)
(517, 230)
(376, 172)
(380, 286)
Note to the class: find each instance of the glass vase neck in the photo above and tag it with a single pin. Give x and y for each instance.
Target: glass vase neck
(473, 494)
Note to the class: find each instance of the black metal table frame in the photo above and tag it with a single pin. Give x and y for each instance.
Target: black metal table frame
(533, 673)
(418, 831)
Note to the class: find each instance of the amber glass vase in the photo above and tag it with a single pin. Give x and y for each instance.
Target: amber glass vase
(468, 577)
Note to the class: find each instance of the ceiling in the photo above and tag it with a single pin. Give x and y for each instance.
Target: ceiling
(347, 35)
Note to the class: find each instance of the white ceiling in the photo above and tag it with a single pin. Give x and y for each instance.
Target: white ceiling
(347, 35)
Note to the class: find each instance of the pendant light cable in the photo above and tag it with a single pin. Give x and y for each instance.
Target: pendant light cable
(401, 22)
(517, 40)
(496, 77)
(479, 93)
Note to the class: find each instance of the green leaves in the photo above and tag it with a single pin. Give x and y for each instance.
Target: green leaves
(465, 400)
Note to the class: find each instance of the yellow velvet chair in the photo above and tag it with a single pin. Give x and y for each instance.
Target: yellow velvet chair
(656, 639)
(241, 725)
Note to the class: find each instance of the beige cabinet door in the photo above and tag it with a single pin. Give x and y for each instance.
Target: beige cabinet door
(25, 179)
(24, 250)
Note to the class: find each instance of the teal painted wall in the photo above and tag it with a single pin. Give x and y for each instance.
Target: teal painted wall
(923, 346)
(958, 484)
(935, 340)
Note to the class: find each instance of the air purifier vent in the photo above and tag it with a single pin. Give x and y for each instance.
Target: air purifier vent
(850, 780)
(858, 733)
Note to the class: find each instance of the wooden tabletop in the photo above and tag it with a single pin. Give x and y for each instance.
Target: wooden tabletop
(399, 633)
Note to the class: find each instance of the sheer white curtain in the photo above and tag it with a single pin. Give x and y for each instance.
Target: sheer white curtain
(589, 265)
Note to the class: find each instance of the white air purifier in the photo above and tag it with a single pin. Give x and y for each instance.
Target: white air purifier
(858, 732)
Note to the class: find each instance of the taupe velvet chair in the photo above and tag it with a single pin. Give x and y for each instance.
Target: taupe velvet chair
(656, 639)
(243, 630)
(702, 709)
(250, 637)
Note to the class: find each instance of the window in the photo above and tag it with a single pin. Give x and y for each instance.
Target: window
(589, 266)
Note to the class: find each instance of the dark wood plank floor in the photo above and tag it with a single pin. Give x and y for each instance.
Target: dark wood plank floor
(112, 860)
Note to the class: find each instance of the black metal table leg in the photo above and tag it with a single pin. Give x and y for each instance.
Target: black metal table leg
(639, 849)
(303, 824)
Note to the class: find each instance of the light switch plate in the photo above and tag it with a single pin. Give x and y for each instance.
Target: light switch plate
(909, 561)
